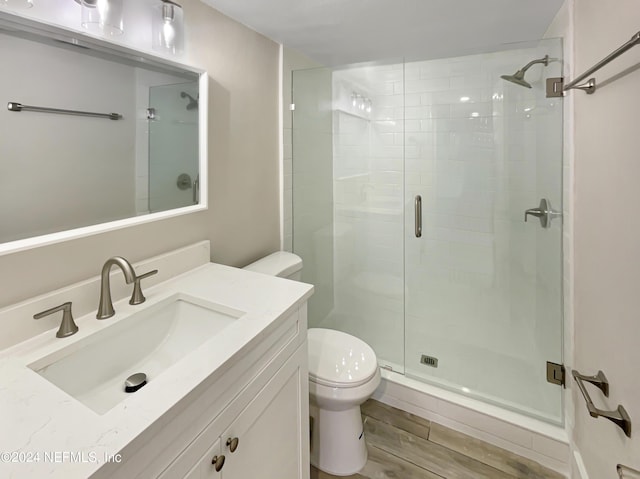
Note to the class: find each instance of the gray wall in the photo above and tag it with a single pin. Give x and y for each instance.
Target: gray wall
(243, 217)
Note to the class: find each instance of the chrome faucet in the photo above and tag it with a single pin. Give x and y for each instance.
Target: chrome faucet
(105, 308)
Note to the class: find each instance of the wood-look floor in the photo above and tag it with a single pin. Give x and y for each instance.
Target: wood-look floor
(404, 446)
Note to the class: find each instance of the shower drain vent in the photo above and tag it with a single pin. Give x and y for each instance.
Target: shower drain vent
(429, 361)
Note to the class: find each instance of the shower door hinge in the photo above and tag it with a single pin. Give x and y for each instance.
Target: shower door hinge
(292, 107)
(555, 87)
(556, 373)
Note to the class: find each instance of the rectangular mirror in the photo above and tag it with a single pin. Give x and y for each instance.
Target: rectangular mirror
(95, 136)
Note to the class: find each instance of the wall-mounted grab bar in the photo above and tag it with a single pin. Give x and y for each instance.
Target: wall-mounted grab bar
(15, 106)
(590, 85)
(625, 472)
(619, 416)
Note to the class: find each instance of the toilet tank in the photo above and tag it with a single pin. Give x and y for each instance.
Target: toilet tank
(281, 263)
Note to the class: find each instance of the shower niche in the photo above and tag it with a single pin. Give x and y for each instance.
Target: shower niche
(472, 304)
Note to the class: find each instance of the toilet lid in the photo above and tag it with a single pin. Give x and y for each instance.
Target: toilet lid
(339, 359)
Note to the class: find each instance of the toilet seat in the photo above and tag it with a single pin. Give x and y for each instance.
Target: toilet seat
(339, 360)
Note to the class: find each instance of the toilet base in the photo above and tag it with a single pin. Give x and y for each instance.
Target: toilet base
(337, 441)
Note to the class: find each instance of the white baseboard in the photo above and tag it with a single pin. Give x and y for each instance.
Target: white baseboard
(579, 471)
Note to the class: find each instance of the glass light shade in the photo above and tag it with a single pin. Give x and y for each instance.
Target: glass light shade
(103, 16)
(168, 28)
(16, 4)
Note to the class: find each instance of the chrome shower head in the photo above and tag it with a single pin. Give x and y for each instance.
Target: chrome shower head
(193, 103)
(518, 77)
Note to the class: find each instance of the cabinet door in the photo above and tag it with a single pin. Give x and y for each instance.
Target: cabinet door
(271, 442)
(205, 468)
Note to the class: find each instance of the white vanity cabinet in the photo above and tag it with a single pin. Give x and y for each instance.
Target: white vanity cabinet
(268, 434)
(262, 400)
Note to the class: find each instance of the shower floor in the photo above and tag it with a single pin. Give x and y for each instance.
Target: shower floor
(491, 373)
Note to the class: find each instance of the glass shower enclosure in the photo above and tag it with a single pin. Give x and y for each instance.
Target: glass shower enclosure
(411, 181)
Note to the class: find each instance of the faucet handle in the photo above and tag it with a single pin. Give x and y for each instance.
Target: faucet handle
(68, 326)
(137, 297)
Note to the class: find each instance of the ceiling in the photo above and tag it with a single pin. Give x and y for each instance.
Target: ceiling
(337, 32)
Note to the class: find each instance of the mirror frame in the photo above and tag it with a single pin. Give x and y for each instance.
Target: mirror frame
(54, 32)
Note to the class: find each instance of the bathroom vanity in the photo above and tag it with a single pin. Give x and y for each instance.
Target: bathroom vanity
(223, 401)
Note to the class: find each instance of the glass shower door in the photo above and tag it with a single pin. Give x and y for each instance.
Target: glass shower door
(484, 287)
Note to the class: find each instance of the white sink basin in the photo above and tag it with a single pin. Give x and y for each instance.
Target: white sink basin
(93, 370)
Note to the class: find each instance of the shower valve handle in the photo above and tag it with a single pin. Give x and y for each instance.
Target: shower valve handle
(544, 212)
(537, 212)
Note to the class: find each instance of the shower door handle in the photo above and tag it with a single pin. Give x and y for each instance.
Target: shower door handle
(418, 213)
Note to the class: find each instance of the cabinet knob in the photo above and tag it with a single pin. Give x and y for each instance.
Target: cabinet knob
(218, 462)
(232, 444)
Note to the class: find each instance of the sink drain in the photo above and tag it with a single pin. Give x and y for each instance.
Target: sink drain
(135, 382)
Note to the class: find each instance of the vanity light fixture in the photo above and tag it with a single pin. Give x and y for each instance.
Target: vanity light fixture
(168, 28)
(103, 16)
(17, 4)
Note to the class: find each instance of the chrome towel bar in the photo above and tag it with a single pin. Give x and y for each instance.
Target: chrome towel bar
(15, 106)
(590, 85)
(619, 416)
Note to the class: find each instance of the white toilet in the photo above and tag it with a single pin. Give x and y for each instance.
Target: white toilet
(343, 373)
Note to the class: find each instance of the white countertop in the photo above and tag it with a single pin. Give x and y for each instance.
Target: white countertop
(42, 426)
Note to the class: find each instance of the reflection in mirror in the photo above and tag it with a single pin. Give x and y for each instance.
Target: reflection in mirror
(173, 133)
(64, 170)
